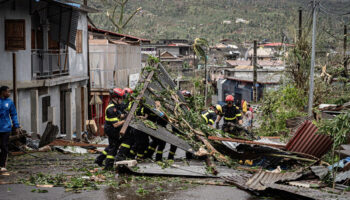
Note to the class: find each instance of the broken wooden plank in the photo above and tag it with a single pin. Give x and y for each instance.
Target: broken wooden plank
(59, 142)
(136, 103)
(246, 142)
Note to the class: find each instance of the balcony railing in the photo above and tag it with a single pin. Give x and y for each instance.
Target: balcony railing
(49, 64)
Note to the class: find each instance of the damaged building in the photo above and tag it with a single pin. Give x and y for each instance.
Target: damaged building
(44, 60)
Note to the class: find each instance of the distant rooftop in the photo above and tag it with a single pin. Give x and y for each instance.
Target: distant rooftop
(126, 37)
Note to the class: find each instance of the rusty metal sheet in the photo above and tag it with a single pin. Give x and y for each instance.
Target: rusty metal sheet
(260, 181)
(306, 141)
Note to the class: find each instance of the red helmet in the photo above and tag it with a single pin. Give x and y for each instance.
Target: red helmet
(117, 92)
(128, 90)
(229, 98)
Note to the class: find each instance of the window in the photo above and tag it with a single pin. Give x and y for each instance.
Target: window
(53, 45)
(15, 35)
(78, 42)
(45, 108)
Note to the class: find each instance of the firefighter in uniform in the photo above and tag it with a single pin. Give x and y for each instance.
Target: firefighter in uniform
(232, 115)
(112, 127)
(156, 145)
(134, 141)
(210, 115)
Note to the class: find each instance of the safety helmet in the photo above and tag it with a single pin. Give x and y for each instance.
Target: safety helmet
(229, 98)
(128, 90)
(186, 93)
(117, 92)
(218, 108)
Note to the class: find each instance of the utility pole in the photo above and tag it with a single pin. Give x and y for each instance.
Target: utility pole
(300, 23)
(345, 58)
(311, 89)
(255, 74)
(206, 82)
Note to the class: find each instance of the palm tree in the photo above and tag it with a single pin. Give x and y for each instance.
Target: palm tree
(199, 47)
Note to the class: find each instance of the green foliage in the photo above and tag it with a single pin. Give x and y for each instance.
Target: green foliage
(152, 60)
(298, 64)
(150, 124)
(142, 191)
(338, 128)
(278, 106)
(44, 179)
(199, 47)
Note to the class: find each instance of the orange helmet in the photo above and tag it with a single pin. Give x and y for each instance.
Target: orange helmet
(229, 98)
(117, 92)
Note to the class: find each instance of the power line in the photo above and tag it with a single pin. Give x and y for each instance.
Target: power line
(327, 10)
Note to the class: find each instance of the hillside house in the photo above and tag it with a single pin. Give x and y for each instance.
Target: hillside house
(43, 53)
(115, 61)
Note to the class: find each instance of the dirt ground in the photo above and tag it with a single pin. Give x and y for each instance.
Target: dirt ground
(74, 176)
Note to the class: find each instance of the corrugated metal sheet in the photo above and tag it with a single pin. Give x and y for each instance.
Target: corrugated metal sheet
(164, 135)
(342, 176)
(261, 180)
(308, 192)
(306, 141)
(319, 171)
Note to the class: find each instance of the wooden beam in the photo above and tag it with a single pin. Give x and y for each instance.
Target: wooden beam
(136, 103)
(246, 142)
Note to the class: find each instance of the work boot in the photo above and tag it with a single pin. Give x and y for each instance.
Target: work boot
(99, 160)
(109, 164)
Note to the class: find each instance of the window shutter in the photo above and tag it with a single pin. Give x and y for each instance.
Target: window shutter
(15, 37)
(78, 41)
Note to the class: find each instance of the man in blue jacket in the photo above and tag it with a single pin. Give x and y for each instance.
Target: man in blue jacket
(8, 118)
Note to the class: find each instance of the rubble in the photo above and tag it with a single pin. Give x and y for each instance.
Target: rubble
(261, 180)
(49, 134)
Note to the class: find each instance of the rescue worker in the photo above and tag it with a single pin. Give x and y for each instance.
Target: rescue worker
(231, 113)
(211, 114)
(112, 127)
(189, 98)
(141, 139)
(134, 141)
(156, 145)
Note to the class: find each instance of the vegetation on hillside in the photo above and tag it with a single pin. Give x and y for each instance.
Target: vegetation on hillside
(189, 19)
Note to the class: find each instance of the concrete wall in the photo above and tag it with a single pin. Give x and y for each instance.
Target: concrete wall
(23, 57)
(263, 75)
(29, 116)
(24, 108)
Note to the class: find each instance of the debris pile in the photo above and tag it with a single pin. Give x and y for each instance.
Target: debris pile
(294, 167)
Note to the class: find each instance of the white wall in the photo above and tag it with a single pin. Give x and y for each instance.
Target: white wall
(23, 109)
(23, 57)
(78, 62)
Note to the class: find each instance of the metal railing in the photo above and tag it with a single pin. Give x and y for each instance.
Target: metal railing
(49, 64)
